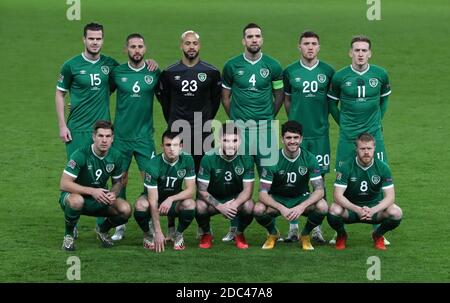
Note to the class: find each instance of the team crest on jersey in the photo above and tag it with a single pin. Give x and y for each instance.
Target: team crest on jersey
(109, 167)
(264, 72)
(302, 170)
(148, 79)
(239, 170)
(181, 173)
(202, 77)
(105, 69)
(376, 179)
(321, 78)
(373, 82)
(72, 164)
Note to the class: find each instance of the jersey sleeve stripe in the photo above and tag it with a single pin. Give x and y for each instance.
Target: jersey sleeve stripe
(151, 186)
(62, 89)
(203, 180)
(265, 181)
(332, 97)
(315, 178)
(388, 186)
(248, 180)
(117, 177)
(70, 174)
(190, 178)
(287, 94)
(224, 86)
(386, 94)
(340, 185)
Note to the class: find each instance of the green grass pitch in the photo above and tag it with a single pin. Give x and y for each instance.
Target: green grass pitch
(410, 41)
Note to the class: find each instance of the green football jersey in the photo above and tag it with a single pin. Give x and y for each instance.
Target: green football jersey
(289, 178)
(359, 94)
(225, 177)
(252, 84)
(364, 185)
(87, 82)
(308, 88)
(134, 106)
(168, 177)
(91, 170)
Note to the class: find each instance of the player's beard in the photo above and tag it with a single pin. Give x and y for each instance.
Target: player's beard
(192, 56)
(136, 61)
(253, 49)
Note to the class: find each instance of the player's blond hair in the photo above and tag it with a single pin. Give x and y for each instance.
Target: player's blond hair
(190, 32)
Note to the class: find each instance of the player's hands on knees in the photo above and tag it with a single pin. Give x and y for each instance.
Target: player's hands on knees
(111, 196)
(367, 213)
(152, 65)
(64, 134)
(101, 195)
(295, 212)
(227, 209)
(165, 206)
(159, 241)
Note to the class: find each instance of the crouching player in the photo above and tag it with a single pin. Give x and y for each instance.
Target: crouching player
(84, 189)
(364, 193)
(164, 195)
(284, 188)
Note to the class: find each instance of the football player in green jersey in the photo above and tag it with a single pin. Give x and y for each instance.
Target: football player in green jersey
(284, 189)
(225, 186)
(362, 90)
(364, 193)
(252, 95)
(136, 87)
(84, 189)
(164, 195)
(306, 83)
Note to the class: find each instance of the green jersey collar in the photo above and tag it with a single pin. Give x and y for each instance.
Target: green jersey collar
(364, 167)
(170, 163)
(307, 67)
(89, 60)
(136, 69)
(250, 61)
(101, 158)
(358, 72)
(290, 159)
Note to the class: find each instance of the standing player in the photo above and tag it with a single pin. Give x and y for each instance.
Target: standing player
(190, 92)
(364, 193)
(225, 185)
(252, 95)
(84, 188)
(164, 176)
(85, 77)
(306, 83)
(284, 188)
(362, 91)
(134, 110)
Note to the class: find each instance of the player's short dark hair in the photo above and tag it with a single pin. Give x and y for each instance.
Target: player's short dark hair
(134, 35)
(229, 128)
(365, 137)
(250, 25)
(360, 38)
(308, 34)
(170, 135)
(292, 127)
(103, 124)
(92, 27)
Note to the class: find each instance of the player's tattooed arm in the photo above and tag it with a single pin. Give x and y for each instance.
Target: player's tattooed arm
(317, 184)
(203, 191)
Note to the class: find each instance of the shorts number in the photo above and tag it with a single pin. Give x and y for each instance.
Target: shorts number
(323, 160)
